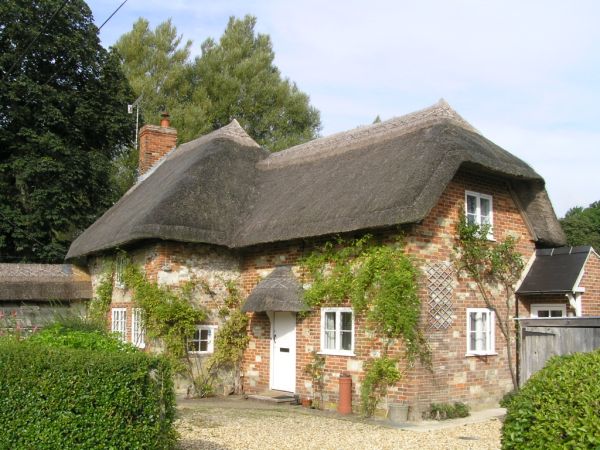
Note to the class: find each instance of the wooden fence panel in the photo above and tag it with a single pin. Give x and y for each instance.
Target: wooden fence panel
(542, 339)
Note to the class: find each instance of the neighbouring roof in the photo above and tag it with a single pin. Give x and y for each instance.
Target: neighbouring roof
(555, 270)
(224, 189)
(278, 291)
(20, 282)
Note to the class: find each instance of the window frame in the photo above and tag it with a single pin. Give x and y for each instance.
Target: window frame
(120, 264)
(210, 346)
(491, 341)
(478, 196)
(138, 330)
(338, 332)
(122, 329)
(536, 307)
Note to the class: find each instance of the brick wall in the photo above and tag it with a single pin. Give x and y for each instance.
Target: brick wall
(590, 299)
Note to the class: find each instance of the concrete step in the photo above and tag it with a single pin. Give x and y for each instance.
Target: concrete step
(274, 396)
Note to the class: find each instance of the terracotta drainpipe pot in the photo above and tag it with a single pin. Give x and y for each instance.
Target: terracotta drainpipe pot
(345, 397)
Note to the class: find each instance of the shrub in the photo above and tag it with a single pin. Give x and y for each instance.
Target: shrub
(58, 397)
(558, 407)
(79, 336)
(443, 411)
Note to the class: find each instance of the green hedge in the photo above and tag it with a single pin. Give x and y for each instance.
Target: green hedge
(558, 407)
(63, 398)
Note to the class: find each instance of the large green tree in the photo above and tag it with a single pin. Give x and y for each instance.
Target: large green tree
(582, 225)
(63, 119)
(234, 78)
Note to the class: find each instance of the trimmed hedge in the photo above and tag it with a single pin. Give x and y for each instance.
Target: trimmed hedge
(558, 407)
(67, 398)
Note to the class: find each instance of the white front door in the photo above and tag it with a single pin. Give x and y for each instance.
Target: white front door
(283, 351)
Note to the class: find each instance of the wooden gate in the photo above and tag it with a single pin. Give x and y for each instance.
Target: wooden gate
(543, 338)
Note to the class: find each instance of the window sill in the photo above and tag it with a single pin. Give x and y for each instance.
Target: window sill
(336, 353)
(481, 354)
(200, 353)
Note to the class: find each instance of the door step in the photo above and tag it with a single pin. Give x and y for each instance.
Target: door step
(274, 397)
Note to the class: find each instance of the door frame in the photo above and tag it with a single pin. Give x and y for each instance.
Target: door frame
(271, 315)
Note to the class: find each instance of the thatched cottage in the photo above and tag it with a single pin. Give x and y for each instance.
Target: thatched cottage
(224, 209)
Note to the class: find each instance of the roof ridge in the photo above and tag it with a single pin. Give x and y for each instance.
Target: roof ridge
(347, 140)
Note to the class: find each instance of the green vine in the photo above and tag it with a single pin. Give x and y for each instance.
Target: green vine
(169, 314)
(316, 371)
(379, 374)
(380, 281)
(99, 307)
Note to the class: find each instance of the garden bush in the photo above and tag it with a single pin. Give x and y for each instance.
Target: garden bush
(558, 407)
(57, 397)
(80, 335)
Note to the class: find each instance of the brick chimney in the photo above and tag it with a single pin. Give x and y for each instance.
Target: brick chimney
(156, 142)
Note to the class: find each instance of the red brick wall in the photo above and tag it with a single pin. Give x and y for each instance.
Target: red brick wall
(590, 299)
(155, 142)
(454, 377)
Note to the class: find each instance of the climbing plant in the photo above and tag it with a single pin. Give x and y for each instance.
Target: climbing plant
(380, 373)
(495, 267)
(169, 314)
(380, 281)
(99, 306)
(232, 337)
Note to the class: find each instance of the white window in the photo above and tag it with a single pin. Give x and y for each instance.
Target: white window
(480, 331)
(337, 331)
(138, 335)
(203, 339)
(548, 311)
(120, 263)
(478, 208)
(119, 322)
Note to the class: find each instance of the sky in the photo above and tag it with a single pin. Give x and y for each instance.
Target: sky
(526, 74)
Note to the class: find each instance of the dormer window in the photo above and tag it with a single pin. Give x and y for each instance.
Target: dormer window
(478, 208)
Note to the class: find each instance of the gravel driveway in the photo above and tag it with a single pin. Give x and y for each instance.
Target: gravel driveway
(253, 425)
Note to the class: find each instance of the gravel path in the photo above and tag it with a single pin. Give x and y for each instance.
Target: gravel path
(215, 428)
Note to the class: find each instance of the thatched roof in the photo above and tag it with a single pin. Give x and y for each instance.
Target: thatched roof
(278, 291)
(224, 189)
(555, 270)
(24, 282)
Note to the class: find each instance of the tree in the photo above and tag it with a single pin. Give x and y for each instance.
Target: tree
(63, 117)
(582, 225)
(495, 268)
(241, 82)
(234, 78)
(157, 65)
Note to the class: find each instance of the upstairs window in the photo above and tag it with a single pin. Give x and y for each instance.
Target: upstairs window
(337, 331)
(120, 264)
(478, 208)
(480, 331)
(203, 339)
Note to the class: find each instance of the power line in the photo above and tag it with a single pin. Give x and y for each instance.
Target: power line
(99, 28)
(34, 40)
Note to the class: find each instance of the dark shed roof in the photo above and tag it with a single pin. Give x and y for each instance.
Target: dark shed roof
(279, 291)
(22, 282)
(224, 189)
(555, 270)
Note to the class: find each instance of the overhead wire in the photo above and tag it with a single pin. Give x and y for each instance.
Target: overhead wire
(34, 40)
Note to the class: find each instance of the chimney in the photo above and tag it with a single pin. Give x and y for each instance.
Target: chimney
(156, 142)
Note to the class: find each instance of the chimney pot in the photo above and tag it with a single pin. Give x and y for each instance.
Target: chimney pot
(165, 120)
